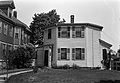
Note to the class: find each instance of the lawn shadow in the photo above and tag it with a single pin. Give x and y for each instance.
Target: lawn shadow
(108, 81)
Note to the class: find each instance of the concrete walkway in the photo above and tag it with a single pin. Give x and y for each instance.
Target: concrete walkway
(3, 76)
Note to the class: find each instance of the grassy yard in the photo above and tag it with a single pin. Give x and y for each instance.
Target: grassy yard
(65, 76)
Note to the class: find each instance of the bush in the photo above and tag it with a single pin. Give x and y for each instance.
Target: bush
(66, 66)
(74, 66)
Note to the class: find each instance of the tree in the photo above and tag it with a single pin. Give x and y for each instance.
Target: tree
(40, 23)
(107, 59)
(21, 57)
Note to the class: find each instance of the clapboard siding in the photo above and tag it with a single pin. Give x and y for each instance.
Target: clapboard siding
(89, 47)
(51, 41)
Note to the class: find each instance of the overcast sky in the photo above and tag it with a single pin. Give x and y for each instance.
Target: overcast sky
(101, 12)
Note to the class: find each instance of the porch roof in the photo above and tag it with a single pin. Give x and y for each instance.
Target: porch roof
(105, 44)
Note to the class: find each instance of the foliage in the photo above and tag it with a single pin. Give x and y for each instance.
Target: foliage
(74, 66)
(21, 57)
(106, 62)
(66, 66)
(40, 23)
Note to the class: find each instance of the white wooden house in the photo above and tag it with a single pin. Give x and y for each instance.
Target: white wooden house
(72, 43)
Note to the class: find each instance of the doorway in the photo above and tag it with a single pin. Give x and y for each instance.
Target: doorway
(104, 54)
(46, 58)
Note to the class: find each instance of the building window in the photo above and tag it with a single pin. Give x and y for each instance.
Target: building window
(22, 36)
(25, 38)
(0, 27)
(5, 28)
(78, 53)
(9, 49)
(63, 53)
(4, 49)
(11, 31)
(16, 33)
(63, 32)
(28, 38)
(10, 14)
(78, 32)
(49, 33)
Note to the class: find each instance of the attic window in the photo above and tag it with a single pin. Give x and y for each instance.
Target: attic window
(10, 15)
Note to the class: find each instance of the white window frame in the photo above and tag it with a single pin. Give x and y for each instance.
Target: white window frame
(81, 31)
(5, 28)
(16, 32)
(11, 30)
(82, 55)
(60, 31)
(0, 27)
(67, 56)
(4, 47)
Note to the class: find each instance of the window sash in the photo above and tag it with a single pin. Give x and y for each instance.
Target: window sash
(16, 35)
(4, 49)
(63, 53)
(49, 33)
(63, 32)
(11, 31)
(5, 28)
(0, 27)
(78, 53)
(78, 32)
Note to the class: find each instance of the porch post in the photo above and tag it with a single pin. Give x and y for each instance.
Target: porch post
(49, 61)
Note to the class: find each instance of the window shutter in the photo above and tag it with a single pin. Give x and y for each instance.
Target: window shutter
(82, 53)
(0, 27)
(68, 53)
(73, 53)
(73, 32)
(82, 34)
(59, 54)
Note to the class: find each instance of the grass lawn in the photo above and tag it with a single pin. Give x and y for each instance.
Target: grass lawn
(65, 76)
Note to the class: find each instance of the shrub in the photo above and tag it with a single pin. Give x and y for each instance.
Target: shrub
(66, 66)
(74, 66)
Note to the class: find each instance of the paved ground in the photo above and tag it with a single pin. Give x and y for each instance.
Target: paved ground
(4, 75)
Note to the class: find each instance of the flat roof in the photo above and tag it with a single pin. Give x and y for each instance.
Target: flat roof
(7, 3)
(105, 44)
(78, 24)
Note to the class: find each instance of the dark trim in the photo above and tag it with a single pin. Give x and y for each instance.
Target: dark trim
(78, 24)
(45, 45)
(105, 44)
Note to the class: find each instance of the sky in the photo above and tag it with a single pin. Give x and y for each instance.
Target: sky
(105, 13)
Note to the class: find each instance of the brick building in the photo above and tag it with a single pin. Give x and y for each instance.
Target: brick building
(13, 32)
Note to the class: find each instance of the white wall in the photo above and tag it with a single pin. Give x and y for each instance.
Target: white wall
(93, 48)
(71, 43)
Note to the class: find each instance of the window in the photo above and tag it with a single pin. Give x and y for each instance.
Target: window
(63, 53)
(78, 32)
(11, 31)
(63, 32)
(4, 49)
(25, 38)
(28, 38)
(22, 36)
(78, 53)
(0, 27)
(49, 33)
(5, 28)
(16, 33)
(10, 14)
(9, 49)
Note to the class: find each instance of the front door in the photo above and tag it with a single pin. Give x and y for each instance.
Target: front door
(46, 58)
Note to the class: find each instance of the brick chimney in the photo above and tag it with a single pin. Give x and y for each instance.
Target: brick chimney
(72, 18)
(15, 14)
